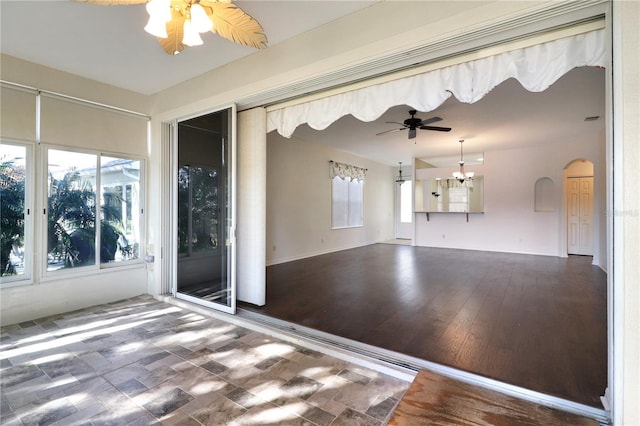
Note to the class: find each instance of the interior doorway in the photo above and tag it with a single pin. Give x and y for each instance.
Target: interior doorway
(204, 248)
(404, 210)
(579, 196)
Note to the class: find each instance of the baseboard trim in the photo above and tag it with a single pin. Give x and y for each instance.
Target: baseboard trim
(316, 253)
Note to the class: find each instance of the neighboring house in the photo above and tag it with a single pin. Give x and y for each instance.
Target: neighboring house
(269, 77)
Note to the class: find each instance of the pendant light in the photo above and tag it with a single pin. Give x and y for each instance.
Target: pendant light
(400, 179)
(461, 175)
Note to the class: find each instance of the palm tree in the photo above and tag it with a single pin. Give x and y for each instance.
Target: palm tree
(11, 213)
(72, 223)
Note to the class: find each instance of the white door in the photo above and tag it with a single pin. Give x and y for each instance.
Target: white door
(580, 216)
(404, 210)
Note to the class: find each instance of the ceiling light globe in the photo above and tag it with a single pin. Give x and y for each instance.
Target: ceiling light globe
(200, 20)
(191, 35)
(156, 27)
(159, 9)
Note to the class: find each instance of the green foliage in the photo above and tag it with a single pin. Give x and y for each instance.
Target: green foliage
(72, 223)
(12, 179)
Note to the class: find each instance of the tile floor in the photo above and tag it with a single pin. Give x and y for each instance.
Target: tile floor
(141, 361)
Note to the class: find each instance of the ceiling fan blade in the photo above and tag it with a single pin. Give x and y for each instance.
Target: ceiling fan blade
(233, 23)
(436, 128)
(430, 120)
(173, 43)
(390, 131)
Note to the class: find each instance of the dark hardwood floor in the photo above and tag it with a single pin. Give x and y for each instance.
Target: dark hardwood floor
(533, 321)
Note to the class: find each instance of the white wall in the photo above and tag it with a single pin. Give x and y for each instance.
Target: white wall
(80, 126)
(299, 201)
(509, 222)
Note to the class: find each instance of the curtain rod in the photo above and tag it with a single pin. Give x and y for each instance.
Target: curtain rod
(61, 96)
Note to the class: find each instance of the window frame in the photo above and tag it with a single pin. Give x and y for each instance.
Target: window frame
(351, 203)
(141, 205)
(27, 277)
(98, 266)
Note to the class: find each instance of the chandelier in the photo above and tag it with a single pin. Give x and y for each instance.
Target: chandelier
(461, 175)
(179, 23)
(400, 179)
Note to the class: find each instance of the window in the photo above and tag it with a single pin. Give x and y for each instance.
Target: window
(15, 226)
(120, 215)
(199, 206)
(406, 193)
(346, 202)
(73, 213)
(459, 199)
(71, 209)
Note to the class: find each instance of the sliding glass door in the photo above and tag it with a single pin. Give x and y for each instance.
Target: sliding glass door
(205, 210)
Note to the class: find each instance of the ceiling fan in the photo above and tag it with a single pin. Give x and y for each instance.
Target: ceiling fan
(415, 123)
(178, 23)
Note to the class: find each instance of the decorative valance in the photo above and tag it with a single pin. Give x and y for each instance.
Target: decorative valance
(343, 171)
(535, 67)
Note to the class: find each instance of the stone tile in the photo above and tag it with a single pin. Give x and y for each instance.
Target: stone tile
(351, 417)
(179, 418)
(268, 363)
(220, 409)
(309, 352)
(122, 374)
(381, 410)
(324, 399)
(356, 396)
(388, 387)
(19, 374)
(159, 375)
(317, 415)
(83, 415)
(266, 387)
(214, 367)
(300, 387)
(74, 366)
(9, 419)
(132, 387)
(168, 402)
(268, 415)
(180, 368)
(238, 332)
(200, 356)
(284, 369)
(122, 414)
(197, 381)
(354, 377)
(244, 399)
(49, 413)
(59, 384)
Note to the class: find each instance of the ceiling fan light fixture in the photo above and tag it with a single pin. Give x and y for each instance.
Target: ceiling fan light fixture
(200, 20)
(156, 27)
(191, 35)
(159, 14)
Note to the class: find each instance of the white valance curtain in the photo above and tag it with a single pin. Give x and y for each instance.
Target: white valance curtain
(344, 170)
(535, 67)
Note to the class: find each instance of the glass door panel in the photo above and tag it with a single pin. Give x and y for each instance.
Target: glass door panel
(205, 211)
